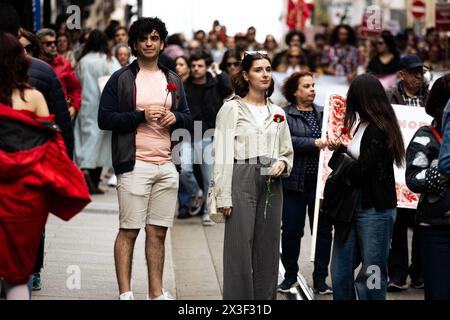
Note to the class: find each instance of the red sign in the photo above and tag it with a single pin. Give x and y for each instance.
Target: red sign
(418, 9)
(371, 22)
(443, 16)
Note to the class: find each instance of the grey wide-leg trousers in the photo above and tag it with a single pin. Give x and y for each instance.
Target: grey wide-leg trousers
(252, 241)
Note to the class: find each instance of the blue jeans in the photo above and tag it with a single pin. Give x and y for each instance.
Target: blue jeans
(435, 246)
(368, 243)
(295, 205)
(184, 199)
(198, 152)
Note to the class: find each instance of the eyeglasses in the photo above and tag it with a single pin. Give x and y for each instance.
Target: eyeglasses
(50, 43)
(252, 53)
(234, 64)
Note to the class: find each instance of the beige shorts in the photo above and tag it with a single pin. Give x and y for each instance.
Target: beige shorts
(147, 195)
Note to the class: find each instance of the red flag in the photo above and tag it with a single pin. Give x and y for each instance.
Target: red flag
(297, 13)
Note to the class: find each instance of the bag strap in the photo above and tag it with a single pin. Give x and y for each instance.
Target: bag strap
(436, 134)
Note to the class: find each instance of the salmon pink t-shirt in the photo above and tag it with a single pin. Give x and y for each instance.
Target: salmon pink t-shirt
(152, 140)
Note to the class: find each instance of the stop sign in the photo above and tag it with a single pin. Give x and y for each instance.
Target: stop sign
(418, 9)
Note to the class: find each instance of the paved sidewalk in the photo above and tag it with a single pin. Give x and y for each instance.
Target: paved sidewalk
(86, 244)
(192, 270)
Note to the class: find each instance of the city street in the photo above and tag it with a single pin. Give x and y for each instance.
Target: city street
(193, 267)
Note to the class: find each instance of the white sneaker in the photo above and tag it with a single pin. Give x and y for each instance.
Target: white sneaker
(164, 296)
(206, 220)
(112, 182)
(127, 296)
(197, 202)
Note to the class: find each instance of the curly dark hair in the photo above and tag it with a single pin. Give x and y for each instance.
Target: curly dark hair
(292, 34)
(238, 82)
(351, 35)
(144, 26)
(291, 85)
(14, 66)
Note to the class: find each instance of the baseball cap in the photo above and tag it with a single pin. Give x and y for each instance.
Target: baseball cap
(410, 62)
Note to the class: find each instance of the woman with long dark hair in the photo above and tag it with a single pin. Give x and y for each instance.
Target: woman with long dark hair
(377, 145)
(92, 145)
(422, 176)
(251, 150)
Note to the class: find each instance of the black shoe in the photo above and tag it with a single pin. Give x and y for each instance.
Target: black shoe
(286, 285)
(396, 286)
(184, 215)
(417, 283)
(322, 288)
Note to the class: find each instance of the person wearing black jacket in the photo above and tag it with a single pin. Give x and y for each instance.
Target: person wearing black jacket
(376, 145)
(205, 93)
(142, 104)
(43, 78)
(299, 189)
(425, 177)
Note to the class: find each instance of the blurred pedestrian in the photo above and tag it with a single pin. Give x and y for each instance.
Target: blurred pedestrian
(63, 47)
(123, 54)
(92, 145)
(231, 63)
(64, 71)
(42, 173)
(183, 67)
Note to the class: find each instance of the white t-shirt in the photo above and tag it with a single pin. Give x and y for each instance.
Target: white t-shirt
(259, 112)
(354, 148)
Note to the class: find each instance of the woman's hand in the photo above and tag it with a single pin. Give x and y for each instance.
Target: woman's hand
(334, 144)
(277, 169)
(321, 144)
(226, 211)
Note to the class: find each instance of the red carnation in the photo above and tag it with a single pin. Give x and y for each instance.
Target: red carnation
(345, 130)
(171, 87)
(278, 118)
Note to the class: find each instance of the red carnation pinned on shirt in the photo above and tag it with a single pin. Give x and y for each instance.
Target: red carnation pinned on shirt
(278, 118)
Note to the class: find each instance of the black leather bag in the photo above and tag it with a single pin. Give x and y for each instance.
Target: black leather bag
(340, 197)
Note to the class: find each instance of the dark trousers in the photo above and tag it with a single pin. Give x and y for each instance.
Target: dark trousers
(251, 248)
(295, 206)
(398, 255)
(435, 247)
(40, 256)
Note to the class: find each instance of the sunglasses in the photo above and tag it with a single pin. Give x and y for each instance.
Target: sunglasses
(50, 43)
(234, 64)
(380, 43)
(252, 53)
(293, 56)
(29, 48)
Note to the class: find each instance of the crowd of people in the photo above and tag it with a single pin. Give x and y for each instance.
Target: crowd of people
(120, 95)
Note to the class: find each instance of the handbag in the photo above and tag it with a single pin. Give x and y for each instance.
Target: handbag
(437, 208)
